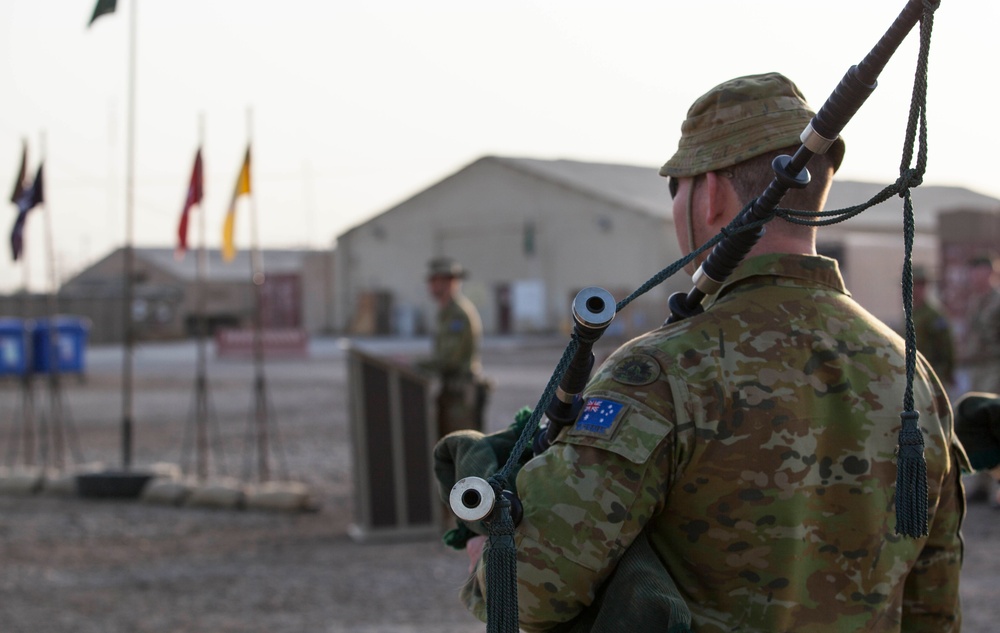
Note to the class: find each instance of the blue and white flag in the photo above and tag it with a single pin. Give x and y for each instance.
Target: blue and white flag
(30, 198)
(598, 416)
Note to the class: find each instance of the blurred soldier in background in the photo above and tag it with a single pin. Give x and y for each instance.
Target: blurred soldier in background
(455, 357)
(981, 349)
(982, 340)
(933, 331)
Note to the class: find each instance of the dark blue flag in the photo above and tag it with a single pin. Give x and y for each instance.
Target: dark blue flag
(103, 6)
(28, 200)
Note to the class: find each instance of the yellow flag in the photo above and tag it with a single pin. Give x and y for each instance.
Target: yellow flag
(242, 187)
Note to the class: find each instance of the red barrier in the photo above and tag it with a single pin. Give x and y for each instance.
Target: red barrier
(275, 342)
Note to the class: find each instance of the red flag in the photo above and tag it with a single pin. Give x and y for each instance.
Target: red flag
(194, 194)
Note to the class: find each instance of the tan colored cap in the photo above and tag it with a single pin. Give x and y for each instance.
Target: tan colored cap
(740, 119)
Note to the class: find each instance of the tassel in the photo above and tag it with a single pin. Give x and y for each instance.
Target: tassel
(911, 479)
(500, 559)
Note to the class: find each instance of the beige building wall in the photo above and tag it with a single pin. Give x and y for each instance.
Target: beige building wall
(317, 292)
(159, 300)
(873, 271)
(614, 231)
(166, 293)
(513, 231)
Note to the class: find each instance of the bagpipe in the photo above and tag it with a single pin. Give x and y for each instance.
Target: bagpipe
(471, 497)
(977, 424)
(475, 471)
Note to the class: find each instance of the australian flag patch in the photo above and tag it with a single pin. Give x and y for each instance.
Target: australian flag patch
(598, 417)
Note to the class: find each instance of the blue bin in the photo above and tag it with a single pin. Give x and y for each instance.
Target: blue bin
(71, 345)
(13, 359)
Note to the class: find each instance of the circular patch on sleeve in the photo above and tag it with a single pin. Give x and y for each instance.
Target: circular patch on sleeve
(637, 369)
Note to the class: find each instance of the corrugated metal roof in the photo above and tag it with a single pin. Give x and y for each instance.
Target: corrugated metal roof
(631, 186)
(642, 188)
(274, 261)
(928, 202)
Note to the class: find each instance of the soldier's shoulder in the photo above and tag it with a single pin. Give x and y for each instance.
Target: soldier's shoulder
(464, 306)
(454, 309)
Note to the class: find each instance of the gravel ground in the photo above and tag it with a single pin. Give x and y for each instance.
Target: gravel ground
(71, 565)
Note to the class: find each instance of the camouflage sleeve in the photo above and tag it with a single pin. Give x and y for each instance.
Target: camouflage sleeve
(585, 500)
(931, 596)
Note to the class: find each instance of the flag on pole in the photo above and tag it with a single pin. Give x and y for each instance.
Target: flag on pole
(21, 183)
(242, 187)
(102, 7)
(30, 197)
(194, 195)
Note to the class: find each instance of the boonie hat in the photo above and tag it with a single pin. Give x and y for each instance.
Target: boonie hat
(739, 119)
(445, 267)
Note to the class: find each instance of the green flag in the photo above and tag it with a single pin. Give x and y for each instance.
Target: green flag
(103, 6)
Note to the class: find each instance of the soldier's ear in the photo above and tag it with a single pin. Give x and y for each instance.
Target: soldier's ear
(722, 201)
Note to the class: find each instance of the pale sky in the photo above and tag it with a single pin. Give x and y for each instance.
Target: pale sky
(358, 105)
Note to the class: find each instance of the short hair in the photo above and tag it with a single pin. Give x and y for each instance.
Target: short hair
(752, 176)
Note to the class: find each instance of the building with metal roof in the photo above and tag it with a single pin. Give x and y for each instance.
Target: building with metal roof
(166, 292)
(534, 232)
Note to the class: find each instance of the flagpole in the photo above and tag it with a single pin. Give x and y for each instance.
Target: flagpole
(55, 391)
(127, 357)
(257, 278)
(201, 380)
(27, 378)
(123, 483)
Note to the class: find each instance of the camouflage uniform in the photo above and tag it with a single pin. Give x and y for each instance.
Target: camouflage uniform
(932, 329)
(456, 360)
(982, 343)
(934, 340)
(754, 445)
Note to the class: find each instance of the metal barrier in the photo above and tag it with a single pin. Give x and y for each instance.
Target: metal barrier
(393, 435)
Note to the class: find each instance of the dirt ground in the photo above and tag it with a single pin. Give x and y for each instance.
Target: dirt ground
(72, 565)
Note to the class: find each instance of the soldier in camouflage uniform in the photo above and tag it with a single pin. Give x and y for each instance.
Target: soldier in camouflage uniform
(455, 357)
(751, 446)
(981, 353)
(933, 331)
(982, 338)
